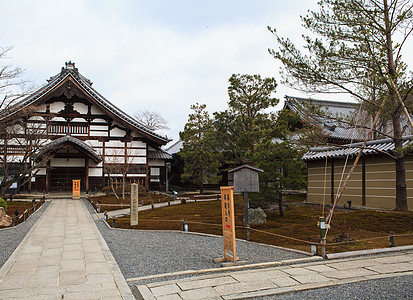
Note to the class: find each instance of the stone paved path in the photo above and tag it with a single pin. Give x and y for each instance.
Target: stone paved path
(63, 257)
(282, 279)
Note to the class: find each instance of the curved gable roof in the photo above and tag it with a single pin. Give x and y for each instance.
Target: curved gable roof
(69, 72)
(60, 142)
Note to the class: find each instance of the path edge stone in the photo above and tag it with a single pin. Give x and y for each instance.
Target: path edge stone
(124, 290)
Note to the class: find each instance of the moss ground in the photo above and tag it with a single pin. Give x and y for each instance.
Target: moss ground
(368, 228)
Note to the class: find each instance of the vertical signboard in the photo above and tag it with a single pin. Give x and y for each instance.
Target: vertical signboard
(228, 224)
(134, 204)
(76, 189)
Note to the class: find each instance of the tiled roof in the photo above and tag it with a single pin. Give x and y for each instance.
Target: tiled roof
(330, 129)
(176, 147)
(160, 154)
(86, 84)
(56, 144)
(372, 148)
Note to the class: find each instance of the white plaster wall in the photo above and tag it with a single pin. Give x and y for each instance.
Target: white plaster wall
(99, 121)
(117, 132)
(67, 162)
(137, 152)
(156, 163)
(95, 172)
(114, 144)
(98, 133)
(137, 144)
(99, 127)
(80, 107)
(14, 158)
(94, 143)
(16, 141)
(139, 160)
(59, 119)
(114, 160)
(36, 118)
(109, 151)
(96, 111)
(56, 107)
(78, 120)
(42, 171)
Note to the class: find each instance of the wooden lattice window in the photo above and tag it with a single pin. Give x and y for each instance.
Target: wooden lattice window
(68, 128)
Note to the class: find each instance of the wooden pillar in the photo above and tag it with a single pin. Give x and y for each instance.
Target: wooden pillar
(87, 174)
(48, 175)
(363, 181)
(332, 181)
(103, 163)
(147, 168)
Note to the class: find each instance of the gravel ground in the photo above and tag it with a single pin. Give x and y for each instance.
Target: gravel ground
(10, 238)
(388, 288)
(142, 253)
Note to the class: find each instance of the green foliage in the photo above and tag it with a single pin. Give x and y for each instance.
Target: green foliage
(3, 204)
(283, 169)
(356, 47)
(245, 124)
(201, 160)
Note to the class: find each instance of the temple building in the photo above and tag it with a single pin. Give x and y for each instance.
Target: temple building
(73, 132)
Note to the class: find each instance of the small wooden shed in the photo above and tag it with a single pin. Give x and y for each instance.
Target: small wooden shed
(244, 179)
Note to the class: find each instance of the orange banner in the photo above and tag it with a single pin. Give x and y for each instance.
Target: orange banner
(76, 189)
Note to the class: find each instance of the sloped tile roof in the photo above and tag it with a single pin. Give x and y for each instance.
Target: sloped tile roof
(86, 84)
(56, 144)
(176, 147)
(330, 129)
(160, 154)
(372, 148)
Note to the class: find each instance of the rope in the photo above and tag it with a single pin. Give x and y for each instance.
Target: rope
(369, 239)
(284, 236)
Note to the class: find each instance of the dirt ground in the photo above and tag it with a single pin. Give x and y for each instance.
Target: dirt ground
(364, 229)
(110, 202)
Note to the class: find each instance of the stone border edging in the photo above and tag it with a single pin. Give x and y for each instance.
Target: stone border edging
(368, 252)
(120, 281)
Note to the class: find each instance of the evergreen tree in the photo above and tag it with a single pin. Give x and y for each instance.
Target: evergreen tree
(245, 124)
(357, 50)
(201, 161)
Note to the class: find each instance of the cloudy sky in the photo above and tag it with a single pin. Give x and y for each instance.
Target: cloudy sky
(160, 55)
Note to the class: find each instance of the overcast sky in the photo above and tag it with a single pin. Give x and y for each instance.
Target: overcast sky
(160, 55)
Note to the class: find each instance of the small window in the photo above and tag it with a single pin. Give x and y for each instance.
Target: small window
(155, 174)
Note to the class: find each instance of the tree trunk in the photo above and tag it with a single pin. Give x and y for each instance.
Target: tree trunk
(123, 186)
(401, 189)
(111, 185)
(280, 203)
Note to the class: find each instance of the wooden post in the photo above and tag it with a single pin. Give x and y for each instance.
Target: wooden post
(228, 224)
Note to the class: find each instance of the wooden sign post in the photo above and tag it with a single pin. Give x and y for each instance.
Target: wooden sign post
(76, 189)
(246, 180)
(228, 224)
(134, 202)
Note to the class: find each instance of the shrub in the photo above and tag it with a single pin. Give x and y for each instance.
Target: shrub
(3, 204)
